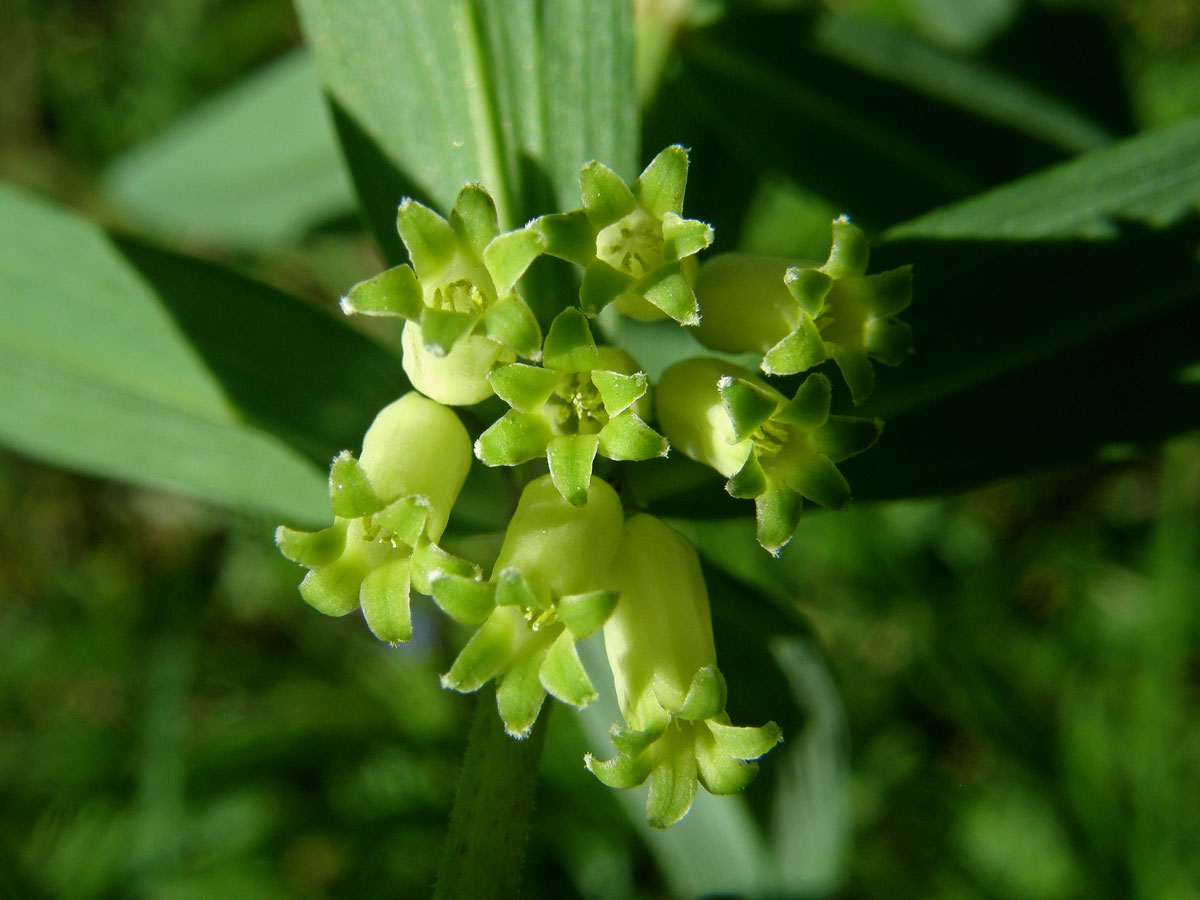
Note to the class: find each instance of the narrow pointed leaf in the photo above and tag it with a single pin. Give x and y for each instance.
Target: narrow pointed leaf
(486, 654)
(889, 341)
(630, 742)
(571, 457)
(889, 293)
(384, 598)
(660, 187)
(816, 478)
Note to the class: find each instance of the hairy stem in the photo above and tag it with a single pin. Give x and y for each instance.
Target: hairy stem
(489, 825)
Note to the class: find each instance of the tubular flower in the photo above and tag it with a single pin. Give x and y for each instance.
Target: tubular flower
(586, 400)
(390, 508)
(547, 591)
(459, 296)
(672, 695)
(800, 316)
(634, 244)
(771, 449)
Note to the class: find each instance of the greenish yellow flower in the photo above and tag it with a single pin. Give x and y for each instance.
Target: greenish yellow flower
(459, 296)
(799, 316)
(672, 696)
(773, 450)
(390, 508)
(547, 591)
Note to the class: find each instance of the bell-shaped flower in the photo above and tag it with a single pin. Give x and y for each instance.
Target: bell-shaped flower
(771, 449)
(547, 591)
(659, 642)
(459, 296)
(632, 240)
(584, 400)
(390, 508)
(800, 316)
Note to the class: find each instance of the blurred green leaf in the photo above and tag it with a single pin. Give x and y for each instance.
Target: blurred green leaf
(1154, 177)
(513, 94)
(129, 362)
(257, 166)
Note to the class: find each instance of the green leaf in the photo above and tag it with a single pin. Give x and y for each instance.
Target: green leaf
(524, 388)
(514, 438)
(660, 187)
(384, 597)
(563, 675)
(512, 94)
(350, 491)
(1152, 178)
(571, 457)
(132, 363)
(393, 292)
(569, 344)
(256, 167)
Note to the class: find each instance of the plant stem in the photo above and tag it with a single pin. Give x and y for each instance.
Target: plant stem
(489, 825)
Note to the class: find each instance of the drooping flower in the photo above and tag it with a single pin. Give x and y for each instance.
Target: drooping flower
(660, 648)
(584, 400)
(459, 296)
(547, 591)
(633, 242)
(390, 508)
(799, 316)
(773, 450)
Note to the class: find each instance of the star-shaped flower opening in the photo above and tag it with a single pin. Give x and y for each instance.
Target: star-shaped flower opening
(632, 240)
(773, 450)
(584, 400)
(459, 296)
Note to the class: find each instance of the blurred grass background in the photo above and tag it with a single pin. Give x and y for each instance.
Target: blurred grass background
(1018, 667)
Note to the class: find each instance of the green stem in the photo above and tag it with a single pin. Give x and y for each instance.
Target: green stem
(489, 825)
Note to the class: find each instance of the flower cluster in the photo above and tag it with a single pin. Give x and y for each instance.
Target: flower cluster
(574, 560)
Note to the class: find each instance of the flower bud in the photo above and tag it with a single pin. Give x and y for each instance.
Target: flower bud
(390, 507)
(672, 696)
